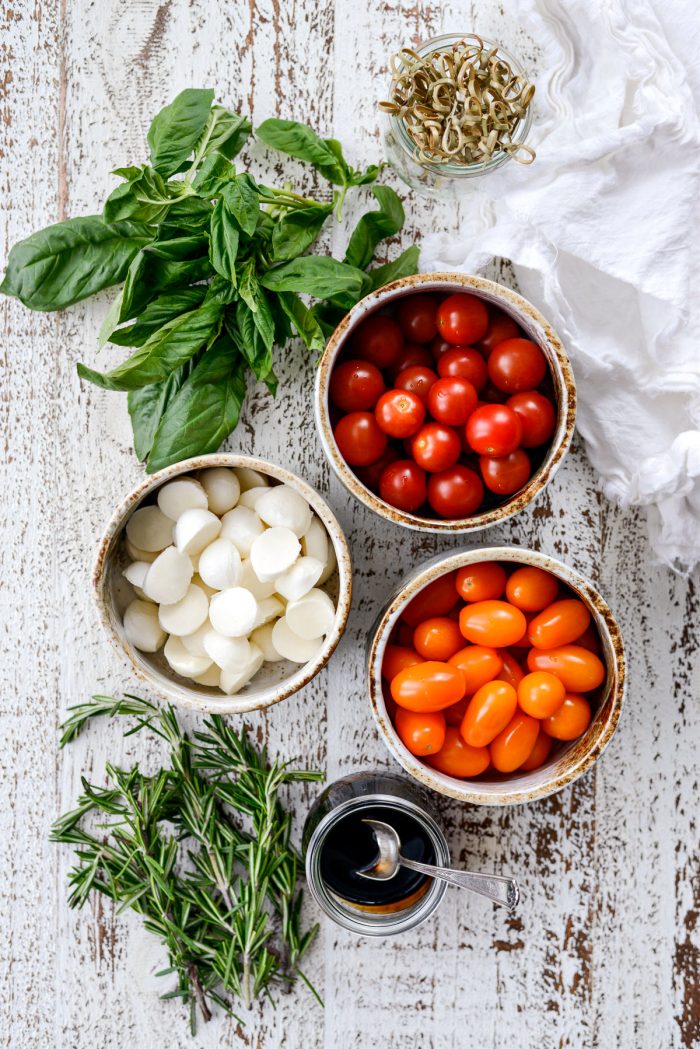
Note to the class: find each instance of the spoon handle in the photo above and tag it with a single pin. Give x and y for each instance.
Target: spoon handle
(503, 891)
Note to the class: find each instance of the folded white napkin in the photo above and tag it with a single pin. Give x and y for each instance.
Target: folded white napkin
(602, 230)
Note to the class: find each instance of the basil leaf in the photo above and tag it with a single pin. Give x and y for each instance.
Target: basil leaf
(167, 349)
(301, 142)
(304, 321)
(204, 411)
(255, 347)
(149, 275)
(297, 230)
(214, 173)
(318, 275)
(221, 290)
(242, 200)
(185, 216)
(163, 309)
(147, 406)
(226, 133)
(248, 284)
(404, 266)
(224, 237)
(178, 127)
(374, 226)
(176, 249)
(145, 198)
(371, 172)
(71, 260)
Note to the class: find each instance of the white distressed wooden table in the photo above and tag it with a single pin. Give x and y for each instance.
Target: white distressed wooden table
(605, 949)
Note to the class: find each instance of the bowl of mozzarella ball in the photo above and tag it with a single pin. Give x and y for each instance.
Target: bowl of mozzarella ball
(226, 581)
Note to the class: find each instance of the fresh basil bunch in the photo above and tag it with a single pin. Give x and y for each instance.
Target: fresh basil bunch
(212, 264)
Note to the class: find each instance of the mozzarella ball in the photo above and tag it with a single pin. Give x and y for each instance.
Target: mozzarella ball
(194, 642)
(252, 497)
(241, 525)
(314, 541)
(299, 579)
(331, 565)
(186, 615)
(248, 478)
(269, 608)
(234, 679)
(282, 506)
(220, 564)
(259, 589)
(222, 488)
(226, 652)
(141, 626)
(184, 494)
(136, 554)
(168, 577)
(232, 612)
(311, 615)
(210, 677)
(136, 573)
(149, 529)
(195, 529)
(291, 646)
(273, 552)
(208, 590)
(182, 661)
(262, 637)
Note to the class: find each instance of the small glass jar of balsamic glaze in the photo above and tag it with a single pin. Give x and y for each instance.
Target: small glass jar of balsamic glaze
(337, 843)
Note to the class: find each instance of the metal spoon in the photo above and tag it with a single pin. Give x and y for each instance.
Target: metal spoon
(503, 891)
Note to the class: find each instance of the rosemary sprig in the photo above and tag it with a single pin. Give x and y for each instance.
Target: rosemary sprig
(222, 898)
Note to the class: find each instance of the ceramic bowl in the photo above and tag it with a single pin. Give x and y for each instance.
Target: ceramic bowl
(567, 763)
(535, 327)
(274, 681)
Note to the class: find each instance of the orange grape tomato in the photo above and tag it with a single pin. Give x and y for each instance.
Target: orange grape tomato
(524, 641)
(483, 581)
(488, 713)
(478, 664)
(540, 694)
(428, 686)
(454, 715)
(398, 657)
(511, 671)
(437, 638)
(493, 623)
(571, 720)
(559, 624)
(420, 733)
(457, 758)
(531, 589)
(578, 669)
(538, 754)
(436, 599)
(589, 639)
(515, 743)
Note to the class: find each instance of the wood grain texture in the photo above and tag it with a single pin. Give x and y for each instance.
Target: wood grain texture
(605, 949)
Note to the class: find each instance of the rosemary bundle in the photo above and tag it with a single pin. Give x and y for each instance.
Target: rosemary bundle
(222, 898)
(460, 104)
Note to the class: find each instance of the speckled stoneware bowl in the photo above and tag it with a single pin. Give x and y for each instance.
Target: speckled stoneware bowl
(569, 762)
(274, 681)
(535, 327)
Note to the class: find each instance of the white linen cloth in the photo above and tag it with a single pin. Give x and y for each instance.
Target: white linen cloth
(602, 230)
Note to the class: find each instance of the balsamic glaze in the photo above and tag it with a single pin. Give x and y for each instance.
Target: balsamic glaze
(351, 844)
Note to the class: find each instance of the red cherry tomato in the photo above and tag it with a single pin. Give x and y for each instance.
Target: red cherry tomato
(571, 719)
(483, 581)
(494, 429)
(356, 386)
(515, 743)
(397, 658)
(517, 364)
(370, 475)
(378, 339)
(360, 440)
(559, 624)
(531, 589)
(438, 638)
(436, 447)
(462, 319)
(578, 669)
(428, 686)
(540, 694)
(452, 400)
(501, 327)
(416, 317)
(420, 733)
(456, 758)
(465, 363)
(537, 416)
(399, 413)
(491, 709)
(439, 346)
(511, 671)
(412, 355)
(506, 474)
(478, 664)
(495, 624)
(539, 753)
(436, 599)
(403, 485)
(418, 379)
(456, 492)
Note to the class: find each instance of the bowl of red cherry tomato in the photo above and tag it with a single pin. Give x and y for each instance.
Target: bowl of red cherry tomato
(496, 675)
(445, 402)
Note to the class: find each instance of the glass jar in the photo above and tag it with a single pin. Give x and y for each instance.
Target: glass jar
(441, 178)
(363, 906)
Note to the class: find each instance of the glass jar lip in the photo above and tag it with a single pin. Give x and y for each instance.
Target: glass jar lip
(393, 922)
(444, 168)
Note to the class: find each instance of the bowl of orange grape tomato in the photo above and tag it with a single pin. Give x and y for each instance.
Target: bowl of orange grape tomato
(496, 675)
